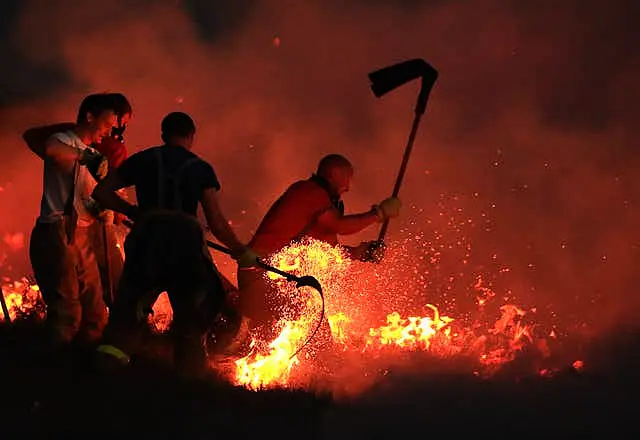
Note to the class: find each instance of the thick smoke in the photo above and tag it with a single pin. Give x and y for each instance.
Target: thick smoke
(528, 134)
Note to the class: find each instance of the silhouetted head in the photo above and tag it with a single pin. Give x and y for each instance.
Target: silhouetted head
(337, 171)
(178, 129)
(96, 116)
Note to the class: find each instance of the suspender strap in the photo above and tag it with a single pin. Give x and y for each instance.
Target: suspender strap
(162, 179)
(177, 197)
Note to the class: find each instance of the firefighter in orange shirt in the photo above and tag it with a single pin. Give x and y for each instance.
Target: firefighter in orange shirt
(308, 208)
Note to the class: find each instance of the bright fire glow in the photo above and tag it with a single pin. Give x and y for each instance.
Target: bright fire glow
(372, 316)
(355, 298)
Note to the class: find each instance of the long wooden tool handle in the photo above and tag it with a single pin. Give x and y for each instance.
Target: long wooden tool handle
(402, 170)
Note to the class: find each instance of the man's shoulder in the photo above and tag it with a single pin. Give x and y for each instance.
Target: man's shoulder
(191, 159)
(66, 137)
(146, 154)
(306, 189)
(175, 154)
(138, 161)
(306, 185)
(188, 155)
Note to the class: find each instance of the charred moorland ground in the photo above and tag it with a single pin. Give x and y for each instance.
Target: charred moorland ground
(42, 398)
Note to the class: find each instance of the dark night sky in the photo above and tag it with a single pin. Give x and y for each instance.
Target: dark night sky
(532, 125)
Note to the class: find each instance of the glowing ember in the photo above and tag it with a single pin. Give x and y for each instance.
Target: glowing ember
(22, 298)
(162, 314)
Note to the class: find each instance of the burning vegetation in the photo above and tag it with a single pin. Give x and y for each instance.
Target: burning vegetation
(379, 319)
(370, 331)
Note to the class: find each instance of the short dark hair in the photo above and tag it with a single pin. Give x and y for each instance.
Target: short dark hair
(95, 104)
(177, 125)
(121, 104)
(331, 162)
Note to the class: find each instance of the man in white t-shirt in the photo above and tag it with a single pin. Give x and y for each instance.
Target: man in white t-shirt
(62, 257)
(108, 242)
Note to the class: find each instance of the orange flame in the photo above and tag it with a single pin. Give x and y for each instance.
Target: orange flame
(347, 322)
(353, 301)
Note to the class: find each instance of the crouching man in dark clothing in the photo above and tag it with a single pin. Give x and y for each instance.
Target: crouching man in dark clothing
(166, 248)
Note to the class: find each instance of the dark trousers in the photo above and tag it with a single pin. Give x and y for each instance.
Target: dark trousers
(167, 253)
(69, 281)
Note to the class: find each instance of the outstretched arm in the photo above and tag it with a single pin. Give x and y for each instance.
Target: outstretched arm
(105, 193)
(36, 137)
(332, 221)
(63, 155)
(218, 224)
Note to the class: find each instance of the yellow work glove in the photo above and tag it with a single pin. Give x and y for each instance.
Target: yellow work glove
(248, 259)
(388, 208)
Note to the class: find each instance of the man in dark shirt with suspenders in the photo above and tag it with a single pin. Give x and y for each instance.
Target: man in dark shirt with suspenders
(308, 208)
(166, 250)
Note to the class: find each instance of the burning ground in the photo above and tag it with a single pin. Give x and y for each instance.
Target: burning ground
(379, 318)
(433, 307)
(398, 366)
(379, 321)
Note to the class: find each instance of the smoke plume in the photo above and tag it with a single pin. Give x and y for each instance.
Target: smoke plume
(526, 150)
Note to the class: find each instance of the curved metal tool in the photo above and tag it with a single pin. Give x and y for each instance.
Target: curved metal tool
(303, 281)
(312, 282)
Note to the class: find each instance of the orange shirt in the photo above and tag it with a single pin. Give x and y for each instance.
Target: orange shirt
(292, 216)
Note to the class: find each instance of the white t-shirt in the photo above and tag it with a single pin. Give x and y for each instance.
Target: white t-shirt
(57, 186)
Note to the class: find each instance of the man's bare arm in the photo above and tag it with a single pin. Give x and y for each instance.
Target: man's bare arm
(36, 137)
(331, 220)
(218, 224)
(63, 155)
(105, 193)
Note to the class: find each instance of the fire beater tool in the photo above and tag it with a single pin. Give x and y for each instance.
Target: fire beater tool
(303, 281)
(107, 264)
(390, 78)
